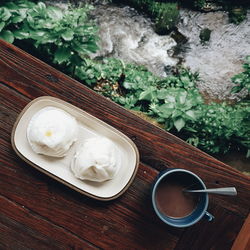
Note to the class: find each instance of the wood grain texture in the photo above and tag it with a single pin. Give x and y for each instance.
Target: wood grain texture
(24, 226)
(91, 220)
(243, 239)
(128, 222)
(226, 225)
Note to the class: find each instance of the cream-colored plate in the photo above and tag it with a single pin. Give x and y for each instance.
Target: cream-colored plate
(59, 168)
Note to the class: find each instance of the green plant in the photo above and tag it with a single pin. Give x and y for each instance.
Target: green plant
(171, 101)
(136, 80)
(243, 79)
(11, 16)
(174, 102)
(165, 14)
(222, 127)
(175, 107)
(205, 35)
(92, 72)
(237, 14)
(66, 37)
(104, 77)
(199, 4)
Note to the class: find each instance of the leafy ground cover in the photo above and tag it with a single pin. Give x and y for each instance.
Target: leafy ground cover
(164, 14)
(67, 38)
(174, 102)
(242, 80)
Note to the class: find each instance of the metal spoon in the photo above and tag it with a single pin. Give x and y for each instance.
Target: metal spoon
(224, 191)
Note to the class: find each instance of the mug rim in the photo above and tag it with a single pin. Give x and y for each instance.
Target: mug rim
(161, 176)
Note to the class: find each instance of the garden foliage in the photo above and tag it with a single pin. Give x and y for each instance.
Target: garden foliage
(65, 37)
(164, 14)
(174, 102)
(243, 79)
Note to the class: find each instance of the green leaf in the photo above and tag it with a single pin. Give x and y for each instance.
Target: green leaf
(166, 113)
(17, 19)
(49, 38)
(179, 123)
(148, 94)
(37, 35)
(2, 25)
(248, 153)
(30, 20)
(181, 97)
(47, 25)
(68, 35)
(162, 93)
(191, 114)
(4, 14)
(11, 6)
(76, 60)
(176, 113)
(187, 83)
(41, 6)
(169, 105)
(238, 78)
(236, 89)
(166, 110)
(191, 129)
(54, 13)
(92, 47)
(193, 141)
(20, 34)
(169, 124)
(128, 85)
(122, 100)
(170, 98)
(62, 55)
(7, 36)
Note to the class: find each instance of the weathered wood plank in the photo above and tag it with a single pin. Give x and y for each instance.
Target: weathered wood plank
(103, 223)
(137, 199)
(243, 239)
(128, 222)
(201, 236)
(21, 228)
(158, 148)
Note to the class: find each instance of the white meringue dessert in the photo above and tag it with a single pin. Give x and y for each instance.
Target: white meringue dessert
(97, 159)
(52, 131)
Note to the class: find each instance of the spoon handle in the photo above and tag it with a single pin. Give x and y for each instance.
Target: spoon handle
(224, 191)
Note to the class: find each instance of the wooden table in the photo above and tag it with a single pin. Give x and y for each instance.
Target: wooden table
(37, 212)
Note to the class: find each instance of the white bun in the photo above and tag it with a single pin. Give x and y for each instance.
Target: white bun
(52, 131)
(97, 159)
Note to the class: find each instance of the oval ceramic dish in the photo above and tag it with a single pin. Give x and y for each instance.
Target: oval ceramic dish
(59, 168)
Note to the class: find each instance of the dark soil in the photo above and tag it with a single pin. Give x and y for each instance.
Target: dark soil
(237, 160)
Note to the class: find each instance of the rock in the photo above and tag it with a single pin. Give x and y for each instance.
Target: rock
(205, 35)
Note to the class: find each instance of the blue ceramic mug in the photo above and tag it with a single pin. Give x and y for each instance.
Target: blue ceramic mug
(200, 209)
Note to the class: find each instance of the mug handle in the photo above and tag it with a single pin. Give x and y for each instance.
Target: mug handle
(208, 216)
